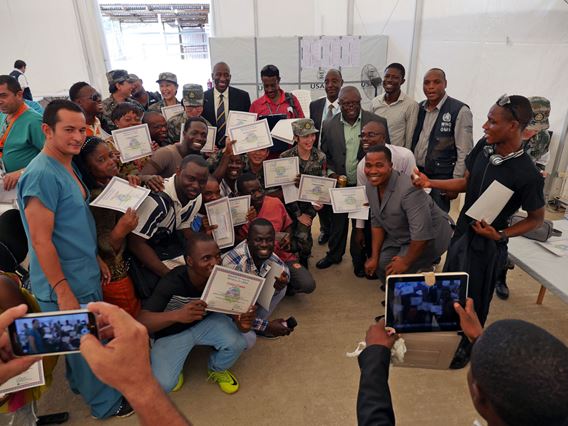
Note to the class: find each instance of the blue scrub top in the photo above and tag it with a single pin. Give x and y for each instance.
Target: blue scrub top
(74, 233)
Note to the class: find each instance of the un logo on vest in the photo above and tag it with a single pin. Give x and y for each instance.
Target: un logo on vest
(447, 117)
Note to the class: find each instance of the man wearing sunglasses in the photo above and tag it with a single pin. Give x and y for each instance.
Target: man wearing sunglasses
(443, 135)
(87, 97)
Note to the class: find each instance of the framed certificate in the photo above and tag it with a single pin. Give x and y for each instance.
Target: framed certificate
(172, 110)
(238, 118)
(133, 142)
(210, 143)
(231, 292)
(120, 195)
(239, 209)
(219, 213)
(347, 200)
(281, 171)
(315, 189)
(251, 137)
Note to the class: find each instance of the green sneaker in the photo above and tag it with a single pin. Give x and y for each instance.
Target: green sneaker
(179, 384)
(226, 380)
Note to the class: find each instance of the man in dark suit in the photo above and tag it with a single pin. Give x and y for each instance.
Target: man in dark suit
(320, 110)
(221, 99)
(340, 143)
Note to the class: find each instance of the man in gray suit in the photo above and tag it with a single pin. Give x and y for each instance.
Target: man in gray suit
(340, 143)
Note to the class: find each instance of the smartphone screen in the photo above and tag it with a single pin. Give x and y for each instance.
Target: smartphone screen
(51, 333)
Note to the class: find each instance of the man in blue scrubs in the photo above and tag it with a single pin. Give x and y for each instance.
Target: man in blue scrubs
(65, 270)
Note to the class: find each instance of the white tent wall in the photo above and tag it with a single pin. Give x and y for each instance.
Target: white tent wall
(60, 40)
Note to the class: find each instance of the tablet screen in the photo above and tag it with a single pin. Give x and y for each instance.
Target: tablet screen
(414, 306)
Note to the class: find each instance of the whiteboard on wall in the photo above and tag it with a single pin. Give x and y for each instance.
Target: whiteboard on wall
(246, 56)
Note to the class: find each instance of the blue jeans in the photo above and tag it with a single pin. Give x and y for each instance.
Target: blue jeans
(170, 352)
(103, 400)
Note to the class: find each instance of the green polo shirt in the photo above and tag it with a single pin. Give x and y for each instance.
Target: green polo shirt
(24, 141)
(351, 133)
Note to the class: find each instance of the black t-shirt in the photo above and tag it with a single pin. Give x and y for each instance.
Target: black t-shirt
(172, 292)
(518, 174)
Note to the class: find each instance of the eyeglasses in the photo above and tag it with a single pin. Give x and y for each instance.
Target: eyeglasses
(350, 104)
(370, 135)
(505, 102)
(95, 97)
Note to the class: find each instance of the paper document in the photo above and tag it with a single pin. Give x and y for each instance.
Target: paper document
(219, 213)
(251, 137)
(268, 289)
(231, 292)
(362, 214)
(304, 98)
(133, 142)
(345, 200)
(238, 118)
(239, 209)
(172, 110)
(210, 143)
(7, 197)
(280, 171)
(290, 193)
(490, 203)
(558, 247)
(315, 189)
(283, 130)
(30, 378)
(120, 195)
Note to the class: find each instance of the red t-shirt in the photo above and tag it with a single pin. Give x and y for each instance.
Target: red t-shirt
(274, 211)
(265, 106)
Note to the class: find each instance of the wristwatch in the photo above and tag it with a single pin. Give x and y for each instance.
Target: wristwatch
(504, 239)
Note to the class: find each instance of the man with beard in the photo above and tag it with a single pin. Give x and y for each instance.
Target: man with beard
(87, 97)
(166, 160)
(221, 99)
(400, 110)
(157, 126)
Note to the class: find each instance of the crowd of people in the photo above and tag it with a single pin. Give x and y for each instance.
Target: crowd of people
(154, 262)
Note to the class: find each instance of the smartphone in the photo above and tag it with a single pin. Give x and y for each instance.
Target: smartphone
(51, 333)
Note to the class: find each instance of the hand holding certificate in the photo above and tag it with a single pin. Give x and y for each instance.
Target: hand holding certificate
(250, 137)
(281, 171)
(231, 292)
(346, 200)
(31, 378)
(120, 195)
(219, 213)
(133, 142)
(315, 189)
(239, 209)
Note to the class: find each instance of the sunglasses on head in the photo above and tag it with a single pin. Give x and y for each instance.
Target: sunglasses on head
(505, 102)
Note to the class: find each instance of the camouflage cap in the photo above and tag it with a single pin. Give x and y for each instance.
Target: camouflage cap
(117, 76)
(167, 76)
(192, 95)
(541, 111)
(304, 127)
(133, 78)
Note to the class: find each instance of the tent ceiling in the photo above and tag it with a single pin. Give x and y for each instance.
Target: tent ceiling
(174, 14)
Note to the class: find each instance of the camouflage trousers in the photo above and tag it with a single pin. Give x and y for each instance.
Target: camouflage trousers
(301, 239)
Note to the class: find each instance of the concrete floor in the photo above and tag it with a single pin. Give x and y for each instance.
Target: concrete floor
(305, 379)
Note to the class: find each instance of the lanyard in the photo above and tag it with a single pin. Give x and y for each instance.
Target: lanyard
(4, 135)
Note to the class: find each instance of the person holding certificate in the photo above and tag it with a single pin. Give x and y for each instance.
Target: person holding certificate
(312, 162)
(178, 321)
(409, 231)
(272, 209)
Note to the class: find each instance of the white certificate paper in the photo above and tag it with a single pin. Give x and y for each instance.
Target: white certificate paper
(133, 142)
(362, 214)
(7, 197)
(219, 213)
(346, 200)
(172, 110)
(281, 171)
(120, 195)
(315, 189)
(210, 143)
(238, 118)
(490, 203)
(282, 130)
(239, 209)
(251, 137)
(30, 378)
(268, 289)
(290, 193)
(231, 292)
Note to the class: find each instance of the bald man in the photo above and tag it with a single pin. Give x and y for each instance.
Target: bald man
(443, 135)
(221, 99)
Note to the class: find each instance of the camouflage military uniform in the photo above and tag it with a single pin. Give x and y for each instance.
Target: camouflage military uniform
(301, 240)
(192, 97)
(109, 104)
(537, 146)
(159, 105)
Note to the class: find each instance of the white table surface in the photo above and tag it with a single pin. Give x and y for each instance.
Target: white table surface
(549, 270)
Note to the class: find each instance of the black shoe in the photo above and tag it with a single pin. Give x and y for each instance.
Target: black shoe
(501, 290)
(304, 262)
(461, 358)
(125, 410)
(359, 272)
(52, 419)
(290, 291)
(372, 277)
(323, 238)
(325, 263)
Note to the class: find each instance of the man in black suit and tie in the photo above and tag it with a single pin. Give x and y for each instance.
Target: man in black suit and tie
(219, 101)
(340, 143)
(320, 110)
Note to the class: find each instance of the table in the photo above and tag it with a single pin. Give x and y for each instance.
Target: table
(549, 270)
